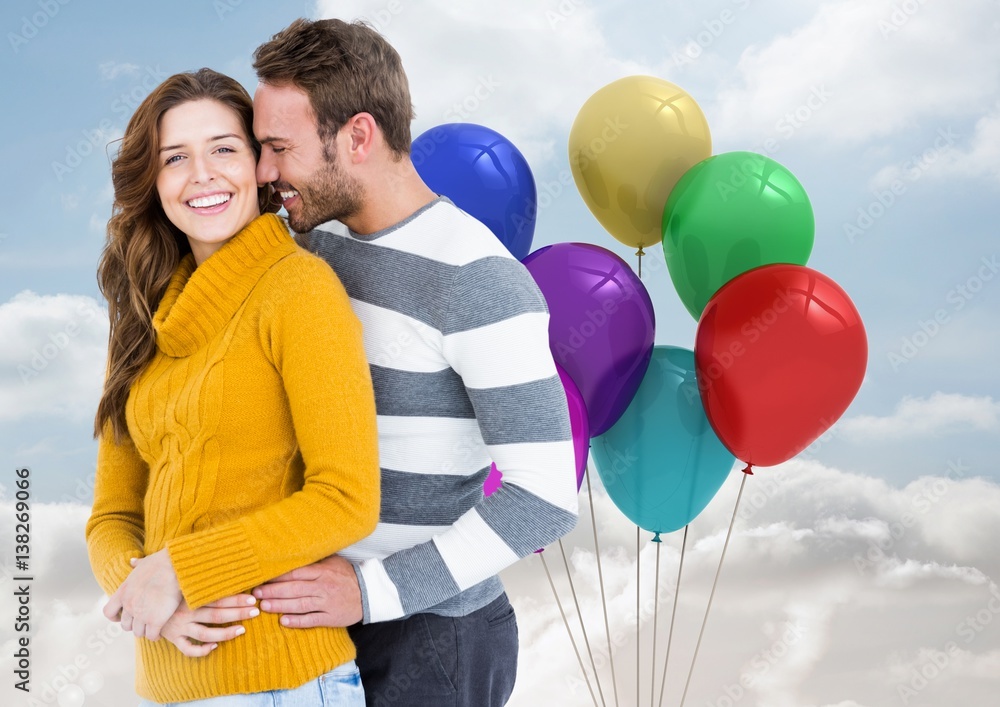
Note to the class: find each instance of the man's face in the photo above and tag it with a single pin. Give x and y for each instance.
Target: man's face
(303, 168)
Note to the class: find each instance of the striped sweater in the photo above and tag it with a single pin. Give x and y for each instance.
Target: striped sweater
(456, 336)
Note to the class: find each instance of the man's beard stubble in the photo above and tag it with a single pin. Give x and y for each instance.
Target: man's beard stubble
(329, 195)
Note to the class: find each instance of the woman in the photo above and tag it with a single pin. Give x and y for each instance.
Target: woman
(237, 424)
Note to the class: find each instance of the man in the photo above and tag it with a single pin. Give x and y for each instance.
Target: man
(456, 335)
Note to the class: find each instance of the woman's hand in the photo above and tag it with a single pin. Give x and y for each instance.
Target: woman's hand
(191, 630)
(148, 597)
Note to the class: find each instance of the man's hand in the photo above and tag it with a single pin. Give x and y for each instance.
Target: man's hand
(322, 594)
(196, 631)
(148, 597)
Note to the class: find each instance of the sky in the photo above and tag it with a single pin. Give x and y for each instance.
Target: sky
(888, 113)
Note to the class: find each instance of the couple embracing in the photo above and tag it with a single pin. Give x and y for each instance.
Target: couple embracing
(295, 429)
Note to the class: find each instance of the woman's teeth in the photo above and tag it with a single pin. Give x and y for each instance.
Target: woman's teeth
(206, 201)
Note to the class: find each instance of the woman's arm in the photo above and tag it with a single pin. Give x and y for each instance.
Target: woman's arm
(115, 535)
(115, 538)
(115, 530)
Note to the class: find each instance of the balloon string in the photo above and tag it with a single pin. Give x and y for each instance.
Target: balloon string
(673, 614)
(566, 623)
(637, 556)
(579, 614)
(656, 607)
(714, 584)
(600, 577)
(640, 253)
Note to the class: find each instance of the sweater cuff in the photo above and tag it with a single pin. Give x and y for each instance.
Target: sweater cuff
(365, 608)
(213, 564)
(117, 571)
(379, 596)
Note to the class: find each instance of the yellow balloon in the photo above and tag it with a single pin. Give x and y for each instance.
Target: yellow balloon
(628, 146)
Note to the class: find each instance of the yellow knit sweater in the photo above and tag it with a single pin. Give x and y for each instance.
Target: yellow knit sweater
(252, 451)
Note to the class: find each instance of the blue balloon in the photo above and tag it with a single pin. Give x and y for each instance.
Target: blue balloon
(485, 175)
(662, 462)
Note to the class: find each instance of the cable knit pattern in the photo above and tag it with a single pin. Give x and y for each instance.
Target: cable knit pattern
(252, 451)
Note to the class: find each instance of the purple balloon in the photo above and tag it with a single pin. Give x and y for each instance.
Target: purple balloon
(581, 434)
(601, 324)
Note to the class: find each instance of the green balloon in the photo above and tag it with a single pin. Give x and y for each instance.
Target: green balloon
(728, 214)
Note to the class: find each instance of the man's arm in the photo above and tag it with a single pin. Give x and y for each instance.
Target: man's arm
(496, 339)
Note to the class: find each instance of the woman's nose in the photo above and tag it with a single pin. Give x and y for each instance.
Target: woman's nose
(201, 170)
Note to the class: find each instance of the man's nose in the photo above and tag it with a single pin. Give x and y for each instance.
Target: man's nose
(267, 170)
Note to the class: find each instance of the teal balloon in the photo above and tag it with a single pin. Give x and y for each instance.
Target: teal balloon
(728, 214)
(661, 463)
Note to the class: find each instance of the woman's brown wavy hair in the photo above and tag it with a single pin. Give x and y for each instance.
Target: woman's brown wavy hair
(143, 247)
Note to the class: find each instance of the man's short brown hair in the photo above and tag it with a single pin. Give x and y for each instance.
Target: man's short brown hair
(345, 69)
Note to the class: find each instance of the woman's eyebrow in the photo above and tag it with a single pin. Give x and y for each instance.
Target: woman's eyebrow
(211, 139)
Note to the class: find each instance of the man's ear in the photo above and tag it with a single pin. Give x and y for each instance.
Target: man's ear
(361, 131)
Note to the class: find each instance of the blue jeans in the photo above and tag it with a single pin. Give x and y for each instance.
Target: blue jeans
(427, 660)
(341, 687)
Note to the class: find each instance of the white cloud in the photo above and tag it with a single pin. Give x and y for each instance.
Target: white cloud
(942, 665)
(884, 64)
(917, 417)
(970, 665)
(52, 356)
(111, 70)
(826, 598)
(75, 651)
(562, 57)
(818, 558)
(904, 574)
(982, 157)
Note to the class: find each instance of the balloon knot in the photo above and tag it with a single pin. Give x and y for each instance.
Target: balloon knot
(656, 538)
(640, 252)
(747, 470)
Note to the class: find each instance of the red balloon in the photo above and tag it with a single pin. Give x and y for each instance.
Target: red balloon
(780, 353)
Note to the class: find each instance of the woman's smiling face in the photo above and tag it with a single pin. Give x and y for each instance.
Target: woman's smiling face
(206, 183)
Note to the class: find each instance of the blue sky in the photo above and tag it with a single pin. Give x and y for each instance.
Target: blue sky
(888, 113)
(918, 122)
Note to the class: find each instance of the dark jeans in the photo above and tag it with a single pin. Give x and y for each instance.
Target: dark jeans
(428, 660)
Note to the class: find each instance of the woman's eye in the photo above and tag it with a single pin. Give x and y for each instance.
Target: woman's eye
(226, 149)
(172, 159)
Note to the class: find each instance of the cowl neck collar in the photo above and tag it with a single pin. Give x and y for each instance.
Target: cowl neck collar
(201, 299)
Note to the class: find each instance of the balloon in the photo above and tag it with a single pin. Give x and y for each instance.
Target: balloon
(601, 324)
(729, 214)
(484, 175)
(630, 143)
(781, 352)
(581, 434)
(661, 463)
